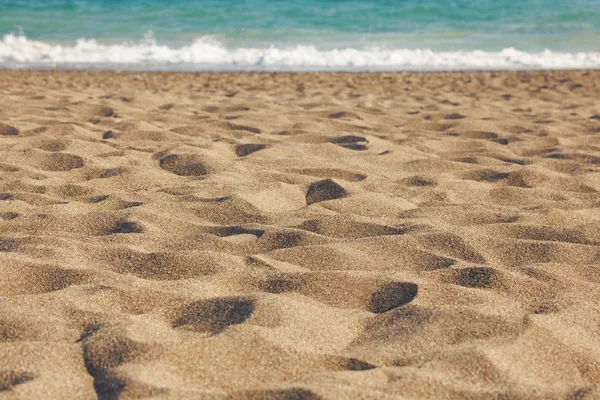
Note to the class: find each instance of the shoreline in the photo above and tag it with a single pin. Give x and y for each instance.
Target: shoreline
(299, 71)
(481, 72)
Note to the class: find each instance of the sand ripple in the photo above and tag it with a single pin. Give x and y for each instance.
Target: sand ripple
(312, 236)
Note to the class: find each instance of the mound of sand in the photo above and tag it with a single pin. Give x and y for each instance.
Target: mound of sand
(300, 236)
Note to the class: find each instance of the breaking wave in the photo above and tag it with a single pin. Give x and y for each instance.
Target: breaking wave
(17, 51)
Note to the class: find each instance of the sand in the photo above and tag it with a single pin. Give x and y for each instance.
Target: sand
(300, 236)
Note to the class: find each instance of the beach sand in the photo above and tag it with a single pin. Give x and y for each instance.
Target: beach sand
(300, 236)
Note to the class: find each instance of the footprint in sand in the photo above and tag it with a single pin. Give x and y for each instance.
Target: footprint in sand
(243, 150)
(486, 175)
(6, 196)
(455, 116)
(418, 181)
(126, 227)
(392, 295)
(324, 190)
(52, 145)
(350, 142)
(214, 315)
(332, 289)
(7, 130)
(8, 216)
(59, 162)
(344, 114)
(184, 164)
(34, 278)
(10, 379)
(7, 244)
(105, 349)
(479, 277)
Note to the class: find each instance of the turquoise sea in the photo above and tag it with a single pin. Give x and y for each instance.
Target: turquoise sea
(300, 35)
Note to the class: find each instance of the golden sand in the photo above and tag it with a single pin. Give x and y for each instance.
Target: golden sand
(300, 236)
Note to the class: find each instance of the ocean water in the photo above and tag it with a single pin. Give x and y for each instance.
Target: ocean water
(300, 35)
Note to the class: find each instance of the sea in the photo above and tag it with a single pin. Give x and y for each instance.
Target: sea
(313, 35)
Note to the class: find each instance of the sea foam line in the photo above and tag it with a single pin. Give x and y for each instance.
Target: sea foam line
(19, 51)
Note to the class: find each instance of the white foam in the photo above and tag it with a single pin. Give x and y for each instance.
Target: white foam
(17, 51)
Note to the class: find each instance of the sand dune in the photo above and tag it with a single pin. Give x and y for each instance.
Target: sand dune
(300, 236)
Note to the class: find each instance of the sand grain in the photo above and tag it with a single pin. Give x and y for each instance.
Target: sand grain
(300, 236)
